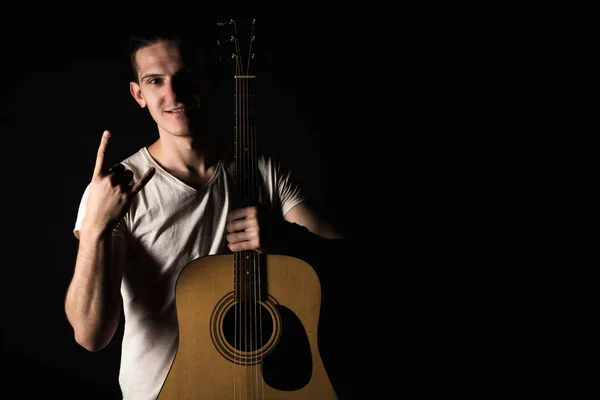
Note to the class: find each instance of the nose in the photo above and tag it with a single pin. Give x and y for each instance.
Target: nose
(182, 86)
(170, 91)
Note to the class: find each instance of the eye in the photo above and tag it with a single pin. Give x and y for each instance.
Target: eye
(154, 81)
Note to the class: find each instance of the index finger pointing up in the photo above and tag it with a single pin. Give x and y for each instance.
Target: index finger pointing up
(101, 150)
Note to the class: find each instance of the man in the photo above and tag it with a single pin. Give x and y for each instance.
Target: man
(141, 221)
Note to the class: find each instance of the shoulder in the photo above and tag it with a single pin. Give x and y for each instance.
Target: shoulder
(272, 165)
(139, 162)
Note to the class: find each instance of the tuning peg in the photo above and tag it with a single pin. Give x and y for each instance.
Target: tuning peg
(226, 40)
(224, 22)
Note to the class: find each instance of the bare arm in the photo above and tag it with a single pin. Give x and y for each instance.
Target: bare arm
(301, 225)
(93, 301)
(304, 215)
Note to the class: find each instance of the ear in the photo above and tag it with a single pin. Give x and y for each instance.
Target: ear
(136, 92)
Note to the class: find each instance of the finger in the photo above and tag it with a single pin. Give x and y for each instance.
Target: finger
(235, 226)
(117, 174)
(143, 181)
(235, 214)
(240, 237)
(247, 245)
(239, 213)
(127, 177)
(238, 225)
(126, 181)
(117, 168)
(101, 151)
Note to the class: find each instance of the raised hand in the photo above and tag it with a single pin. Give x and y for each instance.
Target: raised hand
(110, 192)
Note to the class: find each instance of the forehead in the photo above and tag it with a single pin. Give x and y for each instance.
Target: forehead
(162, 57)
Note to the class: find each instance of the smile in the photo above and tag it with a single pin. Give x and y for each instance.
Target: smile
(180, 109)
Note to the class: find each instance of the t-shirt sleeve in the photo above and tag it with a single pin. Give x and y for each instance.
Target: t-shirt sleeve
(289, 191)
(81, 211)
(117, 231)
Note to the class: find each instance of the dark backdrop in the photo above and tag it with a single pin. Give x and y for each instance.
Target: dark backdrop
(62, 89)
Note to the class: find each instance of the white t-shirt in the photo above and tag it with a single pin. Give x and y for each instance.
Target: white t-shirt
(168, 225)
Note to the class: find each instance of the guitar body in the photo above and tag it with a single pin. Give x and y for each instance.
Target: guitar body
(231, 349)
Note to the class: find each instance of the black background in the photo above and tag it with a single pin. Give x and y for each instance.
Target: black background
(395, 120)
(65, 83)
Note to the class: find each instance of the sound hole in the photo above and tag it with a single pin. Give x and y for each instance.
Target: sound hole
(247, 326)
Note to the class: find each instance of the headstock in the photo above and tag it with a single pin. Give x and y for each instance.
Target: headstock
(237, 44)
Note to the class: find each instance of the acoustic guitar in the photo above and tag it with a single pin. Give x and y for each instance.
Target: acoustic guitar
(248, 322)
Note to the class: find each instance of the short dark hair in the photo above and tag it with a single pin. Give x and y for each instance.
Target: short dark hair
(192, 48)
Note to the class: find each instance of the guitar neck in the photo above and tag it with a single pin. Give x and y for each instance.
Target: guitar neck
(250, 282)
(249, 271)
(246, 175)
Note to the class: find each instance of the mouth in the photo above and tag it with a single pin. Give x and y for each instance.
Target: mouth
(180, 110)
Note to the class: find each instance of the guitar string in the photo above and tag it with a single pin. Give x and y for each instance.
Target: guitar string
(252, 195)
(250, 83)
(246, 150)
(258, 334)
(244, 187)
(249, 192)
(236, 255)
(240, 195)
(244, 202)
(248, 201)
(258, 256)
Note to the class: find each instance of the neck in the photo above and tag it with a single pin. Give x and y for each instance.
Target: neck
(191, 159)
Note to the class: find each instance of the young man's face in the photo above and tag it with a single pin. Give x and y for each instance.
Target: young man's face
(170, 89)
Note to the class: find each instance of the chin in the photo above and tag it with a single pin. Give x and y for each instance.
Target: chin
(182, 133)
(175, 130)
